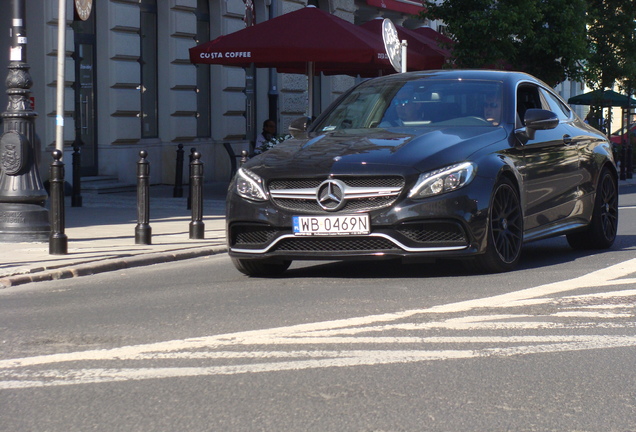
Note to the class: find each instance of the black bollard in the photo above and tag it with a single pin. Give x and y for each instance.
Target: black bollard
(192, 150)
(197, 227)
(143, 230)
(58, 242)
(630, 160)
(244, 157)
(623, 158)
(177, 192)
(76, 194)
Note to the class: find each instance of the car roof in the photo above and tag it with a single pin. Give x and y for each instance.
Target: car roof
(474, 74)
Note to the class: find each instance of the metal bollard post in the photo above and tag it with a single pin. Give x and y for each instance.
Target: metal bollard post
(177, 192)
(629, 166)
(197, 227)
(143, 230)
(76, 195)
(244, 157)
(192, 151)
(58, 242)
(623, 160)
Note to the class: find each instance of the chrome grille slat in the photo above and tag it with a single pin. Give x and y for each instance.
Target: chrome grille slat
(350, 193)
(362, 194)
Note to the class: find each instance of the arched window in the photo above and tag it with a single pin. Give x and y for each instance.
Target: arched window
(148, 65)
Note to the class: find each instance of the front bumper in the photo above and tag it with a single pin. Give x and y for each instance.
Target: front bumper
(445, 226)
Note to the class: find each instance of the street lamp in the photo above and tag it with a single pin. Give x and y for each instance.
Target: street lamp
(23, 217)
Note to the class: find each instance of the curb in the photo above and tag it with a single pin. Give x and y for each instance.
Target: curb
(87, 269)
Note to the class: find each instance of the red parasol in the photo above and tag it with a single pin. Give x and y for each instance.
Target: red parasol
(307, 40)
(290, 41)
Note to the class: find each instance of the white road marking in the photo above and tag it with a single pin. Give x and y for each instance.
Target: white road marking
(389, 337)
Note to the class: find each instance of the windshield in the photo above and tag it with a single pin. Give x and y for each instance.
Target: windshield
(417, 103)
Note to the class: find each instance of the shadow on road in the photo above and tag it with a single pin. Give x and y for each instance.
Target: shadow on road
(534, 256)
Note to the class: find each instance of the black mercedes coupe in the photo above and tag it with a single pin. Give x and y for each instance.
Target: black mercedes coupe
(426, 165)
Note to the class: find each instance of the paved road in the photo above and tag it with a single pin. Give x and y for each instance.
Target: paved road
(597, 313)
(556, 356)
(196, 346)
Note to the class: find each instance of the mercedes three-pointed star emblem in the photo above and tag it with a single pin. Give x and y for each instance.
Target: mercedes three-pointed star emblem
(330, 195)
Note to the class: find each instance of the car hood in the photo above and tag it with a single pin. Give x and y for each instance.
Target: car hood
(373, 151)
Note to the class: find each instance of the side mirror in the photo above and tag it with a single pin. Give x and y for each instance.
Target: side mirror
(299, 127)
(536, 119)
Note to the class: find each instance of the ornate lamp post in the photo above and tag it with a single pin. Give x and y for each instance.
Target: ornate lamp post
(23, 217)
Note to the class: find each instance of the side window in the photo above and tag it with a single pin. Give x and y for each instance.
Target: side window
(555, 105)
(527, 98)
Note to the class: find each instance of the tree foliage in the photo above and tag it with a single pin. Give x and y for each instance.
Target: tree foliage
(546, 38)
(612, 43)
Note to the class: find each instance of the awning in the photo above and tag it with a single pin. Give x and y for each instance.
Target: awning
(405, 6)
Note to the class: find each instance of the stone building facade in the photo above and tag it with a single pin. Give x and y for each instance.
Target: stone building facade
(129, 84)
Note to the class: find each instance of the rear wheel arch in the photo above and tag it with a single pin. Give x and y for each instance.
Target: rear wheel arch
(602, 230)
(611, 168)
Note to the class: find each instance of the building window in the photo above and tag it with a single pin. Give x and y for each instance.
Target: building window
(203, 72)
(148, 62)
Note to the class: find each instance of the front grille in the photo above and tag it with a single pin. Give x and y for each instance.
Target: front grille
(434, 233)
(352, 206)
(301, 194)
(295, 184)
(392, 181)
(345, 244)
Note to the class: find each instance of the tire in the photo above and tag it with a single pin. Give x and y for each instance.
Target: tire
(260, 268)
(505, 231)
(601, 232)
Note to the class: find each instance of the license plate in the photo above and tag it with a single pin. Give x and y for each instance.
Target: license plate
(332, 225)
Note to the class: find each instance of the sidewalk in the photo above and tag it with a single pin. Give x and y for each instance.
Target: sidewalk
(101, 236)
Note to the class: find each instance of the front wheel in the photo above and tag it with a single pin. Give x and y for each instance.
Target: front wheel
(505, 231)
(262, 268)
(601, 232)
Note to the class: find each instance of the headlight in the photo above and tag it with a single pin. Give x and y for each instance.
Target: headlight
(443, 180)
(250, 186)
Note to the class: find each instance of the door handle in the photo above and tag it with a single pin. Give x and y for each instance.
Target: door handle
(567, 139)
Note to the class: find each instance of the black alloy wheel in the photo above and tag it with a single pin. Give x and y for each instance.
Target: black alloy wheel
(603, 227)
(505, 227)
(608, 209)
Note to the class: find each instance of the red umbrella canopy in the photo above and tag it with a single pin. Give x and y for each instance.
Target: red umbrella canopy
(290, 41)
(417, 43)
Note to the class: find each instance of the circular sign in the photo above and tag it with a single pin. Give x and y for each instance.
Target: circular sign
(83, 8)
(392, 44)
